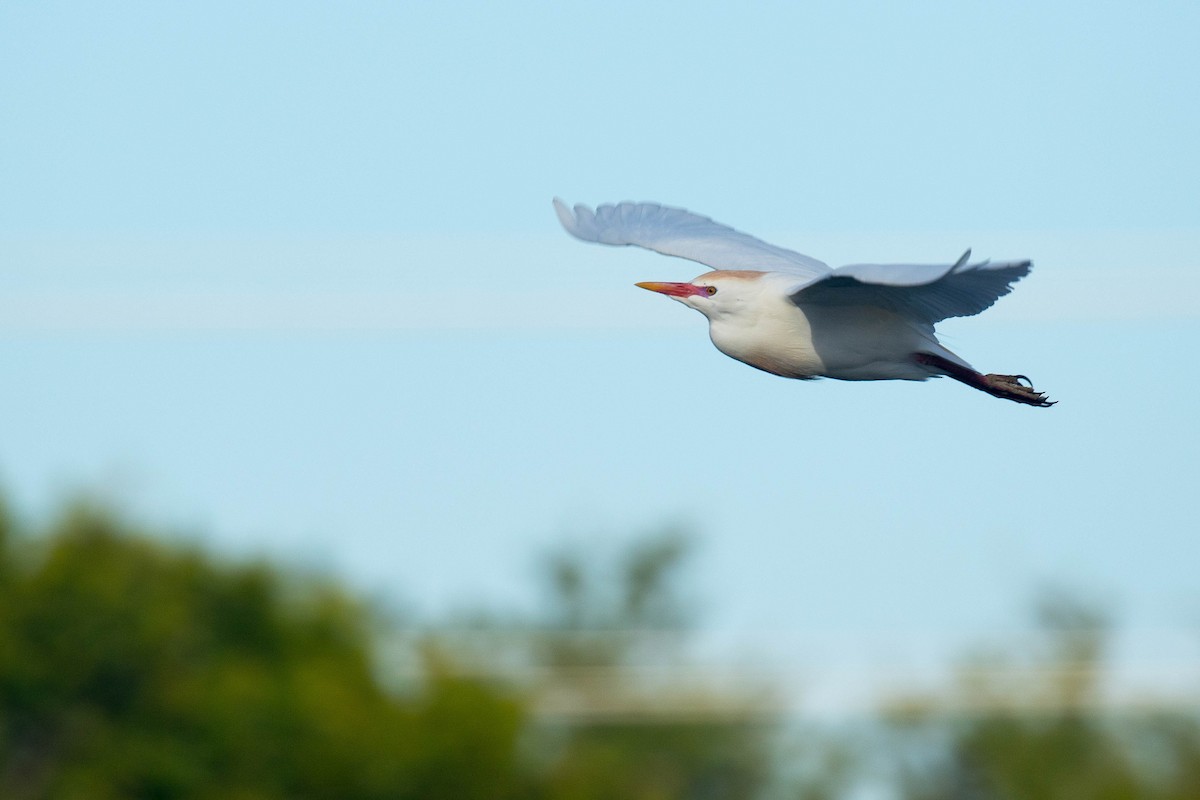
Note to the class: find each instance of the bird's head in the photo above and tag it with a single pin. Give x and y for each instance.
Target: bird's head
(715, 294)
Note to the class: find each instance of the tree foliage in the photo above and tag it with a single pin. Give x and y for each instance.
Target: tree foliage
(131, 669)
(135, 668)
(1039, 730)
(613, 641)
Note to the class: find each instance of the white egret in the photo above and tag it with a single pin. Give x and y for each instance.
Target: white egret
(794, 316)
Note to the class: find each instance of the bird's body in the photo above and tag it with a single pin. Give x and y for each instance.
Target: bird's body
(793, 316)
(857, 342)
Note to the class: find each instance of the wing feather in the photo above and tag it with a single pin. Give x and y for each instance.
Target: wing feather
(928, 292)
(677, 232)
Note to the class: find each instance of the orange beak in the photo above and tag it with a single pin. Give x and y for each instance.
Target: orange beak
(672, 289)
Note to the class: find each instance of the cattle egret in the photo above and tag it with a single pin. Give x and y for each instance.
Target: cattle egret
(792, 315)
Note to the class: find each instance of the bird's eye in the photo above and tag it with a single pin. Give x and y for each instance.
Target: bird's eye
(711, 290)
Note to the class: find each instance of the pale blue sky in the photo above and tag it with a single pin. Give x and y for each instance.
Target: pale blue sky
(286, 275)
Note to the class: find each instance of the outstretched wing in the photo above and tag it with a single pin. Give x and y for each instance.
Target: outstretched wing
(676, 232)
(926, 292)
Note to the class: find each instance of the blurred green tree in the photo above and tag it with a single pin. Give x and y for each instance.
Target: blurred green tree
(133, 668)
(129, 669)
(1040, 731)
(630, 723)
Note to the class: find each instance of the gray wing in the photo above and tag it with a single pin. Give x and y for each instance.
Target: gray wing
(677, 232)
(926, 292)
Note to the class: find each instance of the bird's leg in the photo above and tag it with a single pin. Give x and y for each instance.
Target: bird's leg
(1017, 388)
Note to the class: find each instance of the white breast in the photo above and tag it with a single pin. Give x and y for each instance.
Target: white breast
(776, 339)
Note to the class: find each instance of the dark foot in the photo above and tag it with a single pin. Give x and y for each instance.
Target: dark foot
(1010, 387)
(1017, 388)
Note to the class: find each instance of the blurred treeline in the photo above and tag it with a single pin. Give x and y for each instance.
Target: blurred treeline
(133, 666)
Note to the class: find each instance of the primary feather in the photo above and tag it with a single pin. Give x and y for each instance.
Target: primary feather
(678, 232)
(929, 293)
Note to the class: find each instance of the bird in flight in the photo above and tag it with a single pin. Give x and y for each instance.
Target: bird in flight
(794, 316)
